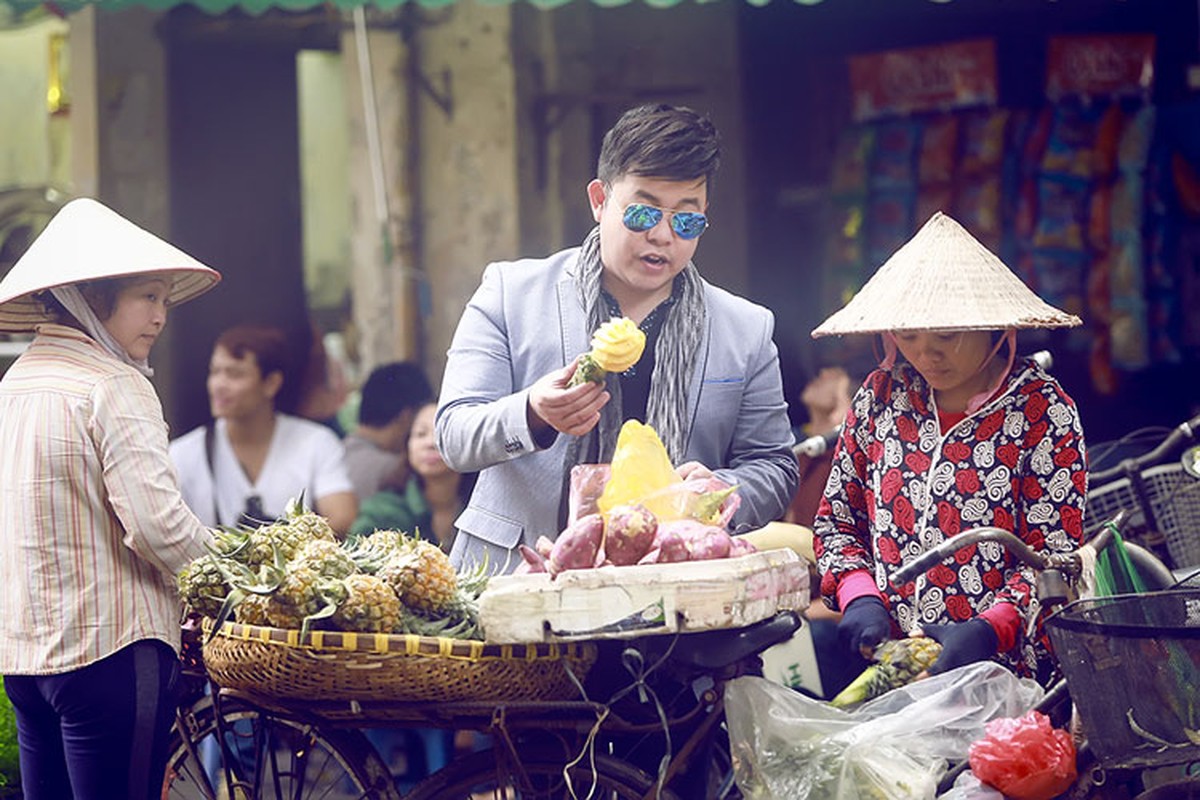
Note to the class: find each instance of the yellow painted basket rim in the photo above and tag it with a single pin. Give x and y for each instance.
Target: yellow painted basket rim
(402, 643)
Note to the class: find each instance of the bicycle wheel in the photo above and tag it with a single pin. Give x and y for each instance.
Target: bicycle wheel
(483, 775)
(271, 758)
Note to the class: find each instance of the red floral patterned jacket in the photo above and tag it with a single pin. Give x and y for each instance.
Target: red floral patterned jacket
(900, 486)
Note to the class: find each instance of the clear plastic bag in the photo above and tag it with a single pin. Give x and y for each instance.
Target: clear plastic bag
(787, 746)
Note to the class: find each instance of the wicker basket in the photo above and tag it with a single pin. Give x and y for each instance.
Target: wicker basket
(325, 665)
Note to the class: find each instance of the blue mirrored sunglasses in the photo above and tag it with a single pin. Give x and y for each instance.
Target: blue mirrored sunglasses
(640, 217)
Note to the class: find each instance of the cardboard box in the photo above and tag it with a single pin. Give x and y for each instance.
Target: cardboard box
(625, 602)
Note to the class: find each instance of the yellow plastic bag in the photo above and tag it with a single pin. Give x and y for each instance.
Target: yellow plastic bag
(640, 467)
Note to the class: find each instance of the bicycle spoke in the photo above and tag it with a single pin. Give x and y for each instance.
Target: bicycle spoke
(267, 758)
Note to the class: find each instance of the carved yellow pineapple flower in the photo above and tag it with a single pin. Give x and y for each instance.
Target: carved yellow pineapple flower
(616, 346)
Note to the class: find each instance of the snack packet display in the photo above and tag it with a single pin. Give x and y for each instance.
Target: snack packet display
(983, 138)
(939, 149)
(894, 162)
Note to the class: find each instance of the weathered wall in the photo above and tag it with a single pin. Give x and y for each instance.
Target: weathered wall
(32, 153)
(118, 137)
(471, 195)
(382, 247)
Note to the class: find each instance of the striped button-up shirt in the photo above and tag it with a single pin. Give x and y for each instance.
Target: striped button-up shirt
(92, 525)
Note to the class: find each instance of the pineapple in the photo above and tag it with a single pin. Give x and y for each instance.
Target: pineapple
(329, 559)
(386, 541)
(459, 619)
(252, 610)
(422, 577)
(302, 596)
(309, 524)
(202, 585)
(266, 540)
(616, 346)
(897, 662)
(289, 535)
(372, 552)
(369, 606)
(231, 542)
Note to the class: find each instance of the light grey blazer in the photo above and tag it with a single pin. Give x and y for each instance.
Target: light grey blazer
(524, 321)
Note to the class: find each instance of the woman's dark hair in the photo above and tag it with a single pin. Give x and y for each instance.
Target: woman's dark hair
(100, 295)
(390, 389)
(54, 309)
(660, 141)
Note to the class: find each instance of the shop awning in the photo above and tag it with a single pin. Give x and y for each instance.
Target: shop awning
(16, 8)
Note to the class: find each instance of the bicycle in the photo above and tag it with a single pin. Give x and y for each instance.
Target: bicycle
(670, 705)
(1160, 489)
(1109, 769)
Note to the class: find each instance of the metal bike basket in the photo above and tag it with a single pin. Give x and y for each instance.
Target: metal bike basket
(1132, 664)
(1174, 498)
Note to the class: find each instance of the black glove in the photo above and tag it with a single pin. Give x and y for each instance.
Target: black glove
(865, 623)
(962, 643)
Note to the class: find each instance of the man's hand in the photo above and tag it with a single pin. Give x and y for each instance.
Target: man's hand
(573, 411)
(692, 469)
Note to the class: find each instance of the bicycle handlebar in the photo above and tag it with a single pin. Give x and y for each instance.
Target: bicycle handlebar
(1025, 553)
(1183, 433)
(931, 558)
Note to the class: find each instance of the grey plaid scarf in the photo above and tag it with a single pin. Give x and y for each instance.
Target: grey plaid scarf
(674, 360)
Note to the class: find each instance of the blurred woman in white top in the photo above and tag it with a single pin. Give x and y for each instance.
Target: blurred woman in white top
(93, 528)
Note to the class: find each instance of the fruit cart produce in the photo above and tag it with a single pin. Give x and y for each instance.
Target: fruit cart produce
(289, 612)
(294, 575)
(897, 662)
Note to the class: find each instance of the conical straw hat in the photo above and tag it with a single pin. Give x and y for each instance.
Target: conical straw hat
(86, 241)
(943, 279)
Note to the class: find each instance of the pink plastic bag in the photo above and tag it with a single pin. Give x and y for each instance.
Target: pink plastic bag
(587, 483)
(1025, 758)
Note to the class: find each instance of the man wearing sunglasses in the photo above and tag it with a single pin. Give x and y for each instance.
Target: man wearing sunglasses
(708, 381)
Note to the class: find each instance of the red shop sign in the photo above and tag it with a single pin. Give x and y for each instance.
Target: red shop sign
(924, 79)
(1100, 65)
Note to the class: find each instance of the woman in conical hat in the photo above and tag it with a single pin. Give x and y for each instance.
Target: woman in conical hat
(952, 431)
(92, 527)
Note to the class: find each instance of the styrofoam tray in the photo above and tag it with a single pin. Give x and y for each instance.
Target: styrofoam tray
(623, 602)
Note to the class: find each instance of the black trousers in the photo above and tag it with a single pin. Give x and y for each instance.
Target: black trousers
(100, 732)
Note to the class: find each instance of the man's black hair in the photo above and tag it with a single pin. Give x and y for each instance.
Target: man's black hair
(660, 141)
(390, 389)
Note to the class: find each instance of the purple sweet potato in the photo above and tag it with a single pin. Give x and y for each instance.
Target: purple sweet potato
(741, 547)
(534, 561)
(671, 548)
(651, 556)
(702, 542)
(712, 542)
(628, 534)
(578, 546)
